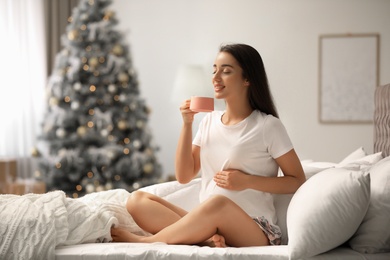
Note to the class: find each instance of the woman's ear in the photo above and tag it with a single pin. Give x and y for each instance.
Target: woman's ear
(247, 83)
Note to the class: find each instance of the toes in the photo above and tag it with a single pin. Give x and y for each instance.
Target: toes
(219, 241)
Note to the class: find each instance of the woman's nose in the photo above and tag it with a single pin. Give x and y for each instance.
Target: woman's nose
(216, 77)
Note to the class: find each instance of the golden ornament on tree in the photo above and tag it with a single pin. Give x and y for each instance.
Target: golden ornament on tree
(108, 15)
(123, 77)
(53, 101)
(73, 34)
(104, 132)
(111, 88)
(148, 168)
(108, 186)
(35, 152)
(117, 50)
(93, 62)
(81, 130)
(60, 132)
(122, 125)
(140, 124)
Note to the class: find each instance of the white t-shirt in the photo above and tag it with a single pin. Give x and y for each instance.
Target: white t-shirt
(249, 146)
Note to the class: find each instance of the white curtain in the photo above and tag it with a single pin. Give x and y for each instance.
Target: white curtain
(22, 79)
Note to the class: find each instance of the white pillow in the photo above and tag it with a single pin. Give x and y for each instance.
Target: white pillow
(355, 155)
(370, 158)
(185, 196)
(373, 235)
(326, 211)
(312, 168)
(363, 163)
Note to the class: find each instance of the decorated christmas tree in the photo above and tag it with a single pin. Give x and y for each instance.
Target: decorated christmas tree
(95, 134)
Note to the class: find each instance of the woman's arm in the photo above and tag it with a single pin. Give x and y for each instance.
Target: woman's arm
(187, 161)
(289, 163)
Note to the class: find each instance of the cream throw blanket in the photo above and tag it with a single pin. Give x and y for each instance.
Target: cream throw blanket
(32, 225)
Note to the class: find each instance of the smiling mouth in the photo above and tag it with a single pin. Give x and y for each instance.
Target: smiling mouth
(218, 88)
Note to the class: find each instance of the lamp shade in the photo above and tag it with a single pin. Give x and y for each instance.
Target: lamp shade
(191, 81)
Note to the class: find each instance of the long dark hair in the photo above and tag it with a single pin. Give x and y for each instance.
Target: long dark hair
(259, 94)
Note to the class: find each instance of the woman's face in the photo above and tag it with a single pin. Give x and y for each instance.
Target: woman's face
(227, 78)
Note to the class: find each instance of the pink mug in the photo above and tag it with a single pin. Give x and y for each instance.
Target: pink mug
(202, 104)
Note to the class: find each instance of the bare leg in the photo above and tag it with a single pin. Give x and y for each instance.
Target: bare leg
(218, 215)
(151, 212)
(144, 207)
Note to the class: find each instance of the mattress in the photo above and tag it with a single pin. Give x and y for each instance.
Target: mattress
(108, 251)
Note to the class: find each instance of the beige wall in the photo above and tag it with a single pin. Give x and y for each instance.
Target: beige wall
(165, 34)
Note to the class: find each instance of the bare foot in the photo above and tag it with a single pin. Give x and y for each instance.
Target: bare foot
(122, 235)
(218, 240)
(215, 241)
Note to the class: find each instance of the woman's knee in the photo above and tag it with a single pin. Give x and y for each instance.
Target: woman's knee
(218, 203)
(136, 199)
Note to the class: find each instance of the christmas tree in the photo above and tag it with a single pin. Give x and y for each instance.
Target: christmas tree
(95, 134)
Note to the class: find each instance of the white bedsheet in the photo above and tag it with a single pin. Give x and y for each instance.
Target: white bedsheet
(186, 197)
(163, 251)
(182, 252)
(51, 226)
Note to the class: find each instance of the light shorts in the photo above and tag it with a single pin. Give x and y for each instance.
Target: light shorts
(273, 232)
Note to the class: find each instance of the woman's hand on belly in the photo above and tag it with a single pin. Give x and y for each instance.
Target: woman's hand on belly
(232, 179)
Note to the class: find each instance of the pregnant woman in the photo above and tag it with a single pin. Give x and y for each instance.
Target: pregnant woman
(238, 152)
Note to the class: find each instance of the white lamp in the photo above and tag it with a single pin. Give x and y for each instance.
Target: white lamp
(191, 81)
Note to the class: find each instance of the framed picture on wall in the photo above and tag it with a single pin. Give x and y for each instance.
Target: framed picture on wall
(348, 75)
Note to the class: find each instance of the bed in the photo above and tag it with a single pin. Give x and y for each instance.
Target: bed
(341, 212)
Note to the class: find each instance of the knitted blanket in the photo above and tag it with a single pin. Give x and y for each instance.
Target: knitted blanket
(32, 225)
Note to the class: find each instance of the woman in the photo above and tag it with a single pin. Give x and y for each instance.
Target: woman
(238, 152)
